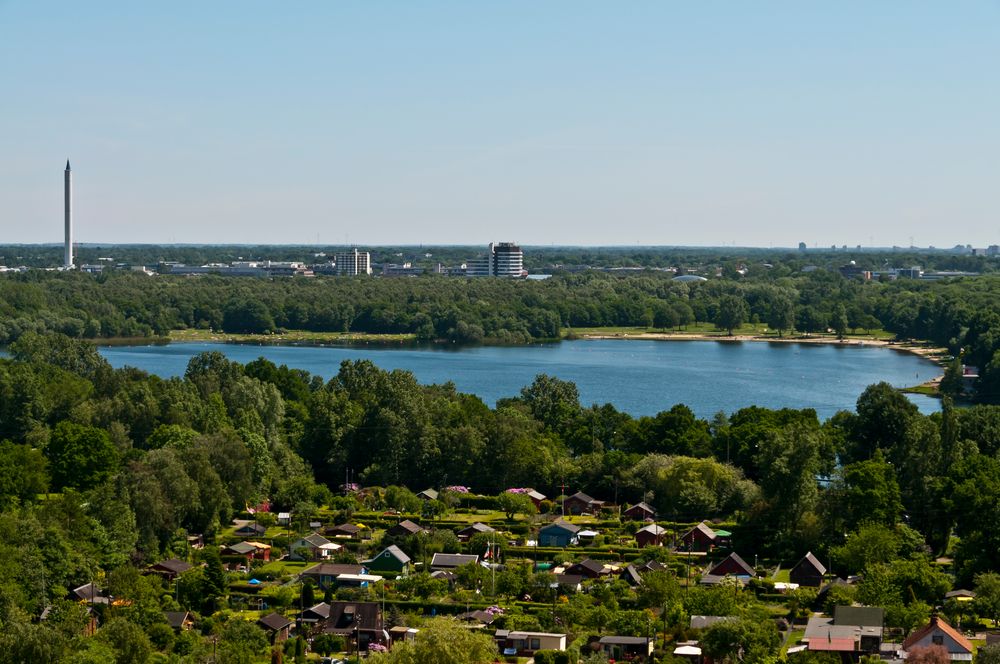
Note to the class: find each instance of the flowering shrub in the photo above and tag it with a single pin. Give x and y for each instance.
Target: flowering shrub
(521, 490)
(377, 647)
(457, 489)
(494, 610)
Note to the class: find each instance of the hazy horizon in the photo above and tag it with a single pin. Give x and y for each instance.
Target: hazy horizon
(571, 124)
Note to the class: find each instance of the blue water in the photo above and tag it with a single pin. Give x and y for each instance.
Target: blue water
(638, 377)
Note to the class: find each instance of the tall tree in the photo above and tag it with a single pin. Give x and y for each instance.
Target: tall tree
(732, 312)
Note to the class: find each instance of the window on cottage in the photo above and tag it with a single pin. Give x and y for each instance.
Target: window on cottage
(536, 644)
(937, 640)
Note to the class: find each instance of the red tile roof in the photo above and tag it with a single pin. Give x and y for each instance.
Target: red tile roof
(937, 623)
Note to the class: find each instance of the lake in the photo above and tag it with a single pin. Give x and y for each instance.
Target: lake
(638, 377)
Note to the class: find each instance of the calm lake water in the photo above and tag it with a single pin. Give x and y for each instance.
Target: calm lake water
(639, 377)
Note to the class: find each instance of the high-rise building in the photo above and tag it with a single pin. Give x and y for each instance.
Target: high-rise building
(352, 263)
(503, 259)
(68, 210)
(508, 260)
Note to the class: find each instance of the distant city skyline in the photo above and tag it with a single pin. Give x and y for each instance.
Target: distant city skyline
(563, 123)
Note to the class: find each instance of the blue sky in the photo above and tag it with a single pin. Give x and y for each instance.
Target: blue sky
(702, 123)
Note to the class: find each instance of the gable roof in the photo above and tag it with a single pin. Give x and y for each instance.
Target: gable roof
(643, 507)
(315, 539)
(275, 622)
(739, 562)
(395, 552)
(479, 615)
(631, 575)
(345, 617)
(652, 529)
(937, 624)
(811, 560)
(172, 565)
(408, 526)
(333, 569)
(590, 565)
(582, 497)
(478, 527)
(564, 525)
(430, 494)
(453, 559)
(321, 611)
(251, 527)
(242, 548)
(571, 580)
(703, 529)
(176, 619)
(89, 592)
(344, 528)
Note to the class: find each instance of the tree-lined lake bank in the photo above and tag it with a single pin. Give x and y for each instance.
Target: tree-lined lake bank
(642, 377)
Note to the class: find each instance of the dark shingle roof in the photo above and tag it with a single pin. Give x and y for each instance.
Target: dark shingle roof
(642, 507)
(176, 618)
(478, 527)
(275, 621)
(173, 565)
(407, 526)
(810, 560)
(590, 565)
(703, 529)
(344, 529)
(453, 559)
(564, 525)
(241, 547)
(395, 552)
(332, 569)
(740, 563)
(625, 640)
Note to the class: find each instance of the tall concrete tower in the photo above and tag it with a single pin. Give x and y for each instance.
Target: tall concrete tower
(68, 202)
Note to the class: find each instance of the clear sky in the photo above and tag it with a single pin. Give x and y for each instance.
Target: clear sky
(566, 122)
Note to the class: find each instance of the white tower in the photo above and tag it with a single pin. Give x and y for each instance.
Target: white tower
(68, 203)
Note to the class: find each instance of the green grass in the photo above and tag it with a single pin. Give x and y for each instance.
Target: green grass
(929, 390)
(281, 567)
(793, 639)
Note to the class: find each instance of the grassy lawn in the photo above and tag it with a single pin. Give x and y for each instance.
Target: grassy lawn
(793, 639)
(280, 567)
(782, 576)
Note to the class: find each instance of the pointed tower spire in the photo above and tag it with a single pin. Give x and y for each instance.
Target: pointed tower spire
(67, 165)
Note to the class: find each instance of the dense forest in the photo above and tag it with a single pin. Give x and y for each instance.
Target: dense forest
(962, 315)
(103, 471)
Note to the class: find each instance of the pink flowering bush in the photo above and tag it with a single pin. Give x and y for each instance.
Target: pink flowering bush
(377, 647)
(520, 490)
(457, 489)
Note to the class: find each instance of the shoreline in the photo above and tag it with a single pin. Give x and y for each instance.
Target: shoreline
(924, 351)
(921, 349)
